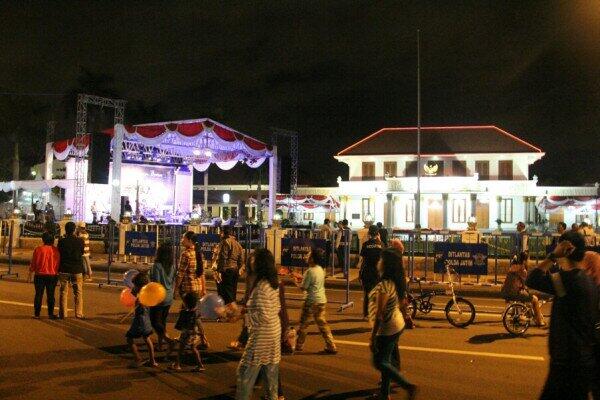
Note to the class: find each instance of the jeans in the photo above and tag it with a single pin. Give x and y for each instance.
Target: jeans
(76, 282)
(87, 265)
(47, 283)
(382, 358)
(158, 318)
(317, 311)
(246, 378)
(227, 289)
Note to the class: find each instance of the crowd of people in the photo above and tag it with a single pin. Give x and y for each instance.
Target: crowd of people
(570, 274)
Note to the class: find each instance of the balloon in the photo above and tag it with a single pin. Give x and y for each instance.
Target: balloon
(152, 294)
(211, 305)
(128, 277)
(126, 298)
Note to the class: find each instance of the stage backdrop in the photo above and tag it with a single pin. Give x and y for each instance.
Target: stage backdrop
(156, 188)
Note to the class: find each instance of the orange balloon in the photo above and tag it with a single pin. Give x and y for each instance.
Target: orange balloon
(152, 294)
(126, 298)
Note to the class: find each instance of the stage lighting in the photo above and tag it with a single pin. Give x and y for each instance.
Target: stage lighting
(197, 152)
(208, 153)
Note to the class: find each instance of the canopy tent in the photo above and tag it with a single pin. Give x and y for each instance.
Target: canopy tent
(37, 185)
(299, 202)
(198, 143)
(552, 204)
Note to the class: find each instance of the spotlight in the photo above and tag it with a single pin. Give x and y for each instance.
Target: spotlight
(208, 153)
(197, 152)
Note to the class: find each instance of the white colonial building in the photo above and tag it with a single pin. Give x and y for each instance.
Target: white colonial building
(466, 171)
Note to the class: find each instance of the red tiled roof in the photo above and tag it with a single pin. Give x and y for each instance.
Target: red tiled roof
(440, 140)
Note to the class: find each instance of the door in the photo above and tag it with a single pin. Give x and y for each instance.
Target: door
(435, 216)
(482, 213)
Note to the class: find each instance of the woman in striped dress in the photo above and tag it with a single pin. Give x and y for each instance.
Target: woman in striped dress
(388, 324)
(263, 350)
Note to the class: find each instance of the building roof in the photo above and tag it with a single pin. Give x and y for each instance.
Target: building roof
(440, 140)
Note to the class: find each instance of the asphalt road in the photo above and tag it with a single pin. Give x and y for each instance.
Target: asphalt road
(75, 359)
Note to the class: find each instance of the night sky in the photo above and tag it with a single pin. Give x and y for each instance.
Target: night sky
(333, 70)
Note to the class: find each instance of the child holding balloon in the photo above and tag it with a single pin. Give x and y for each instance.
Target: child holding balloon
(140, 326)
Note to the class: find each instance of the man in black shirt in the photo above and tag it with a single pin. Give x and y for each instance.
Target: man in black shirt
(369, 257)
(573, 373)
(70, 270)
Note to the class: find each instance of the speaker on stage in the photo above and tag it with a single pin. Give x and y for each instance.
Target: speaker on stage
(99, 157)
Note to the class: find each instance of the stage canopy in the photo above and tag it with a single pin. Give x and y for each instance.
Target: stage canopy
(197, 142)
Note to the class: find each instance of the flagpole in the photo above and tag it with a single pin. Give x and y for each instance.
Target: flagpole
(418, 200)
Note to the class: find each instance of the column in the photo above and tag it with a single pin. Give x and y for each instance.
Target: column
(272, 184)
(498, 208)
(115, 198)
(49, 161)
(389, 211)
(473, 204)
(526, 209)
(445, 210)
(205, 176)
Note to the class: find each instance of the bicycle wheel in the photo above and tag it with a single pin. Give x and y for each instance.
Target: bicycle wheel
(516, 319)
(412, 306)
(460, 313)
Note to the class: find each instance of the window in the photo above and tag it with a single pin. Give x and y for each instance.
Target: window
(505, 170)
(459, 210)
(368, 171)
(410, 211)
(483, 169)
(411, 168)
(308, 216)
(366, 207)
(389, 168)
(459, 168)
(506, 211)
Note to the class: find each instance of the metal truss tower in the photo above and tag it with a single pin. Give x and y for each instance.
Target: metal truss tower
(81, 130)
(293, 137)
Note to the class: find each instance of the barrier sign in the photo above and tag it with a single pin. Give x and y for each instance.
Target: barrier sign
(208, 242)
(294, 251)
(140, 243)
(464, 258)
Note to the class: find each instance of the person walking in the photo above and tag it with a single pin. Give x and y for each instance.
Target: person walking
(229, 261)
(71, 249)
(315, 302)
(83, 234)
(342, 240)
(263, 350)
(44, 271)
(573, 367)
(388, 324)
(162, 271)
(367, 265)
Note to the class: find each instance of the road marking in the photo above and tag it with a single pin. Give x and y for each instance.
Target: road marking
(451, 351)
(16, 303)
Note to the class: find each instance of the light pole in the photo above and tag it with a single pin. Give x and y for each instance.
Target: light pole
(418, 200)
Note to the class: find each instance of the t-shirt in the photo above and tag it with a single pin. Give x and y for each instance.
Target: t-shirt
(314, 285)
(71, 253)
(393, 322)
(370, 252)
(45, 260)
(573, 313)
(158, 274)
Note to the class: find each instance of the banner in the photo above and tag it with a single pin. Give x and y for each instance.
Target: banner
(464, 258)
(208, 242)
(294, 251)
(140, 243)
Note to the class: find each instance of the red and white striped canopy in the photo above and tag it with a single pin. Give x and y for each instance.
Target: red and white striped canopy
(554, 203)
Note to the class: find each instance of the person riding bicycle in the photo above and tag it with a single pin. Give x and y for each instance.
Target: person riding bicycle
(514, 288)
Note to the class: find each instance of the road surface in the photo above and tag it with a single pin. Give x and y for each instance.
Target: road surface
(75, 359)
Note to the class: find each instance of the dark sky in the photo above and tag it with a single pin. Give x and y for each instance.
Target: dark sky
(333, 70)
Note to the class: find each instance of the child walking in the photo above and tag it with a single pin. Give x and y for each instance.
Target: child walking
(140, 326)
(192, 332)
(315, 303)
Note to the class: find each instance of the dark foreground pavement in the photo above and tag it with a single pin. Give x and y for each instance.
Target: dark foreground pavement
(76, 359)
